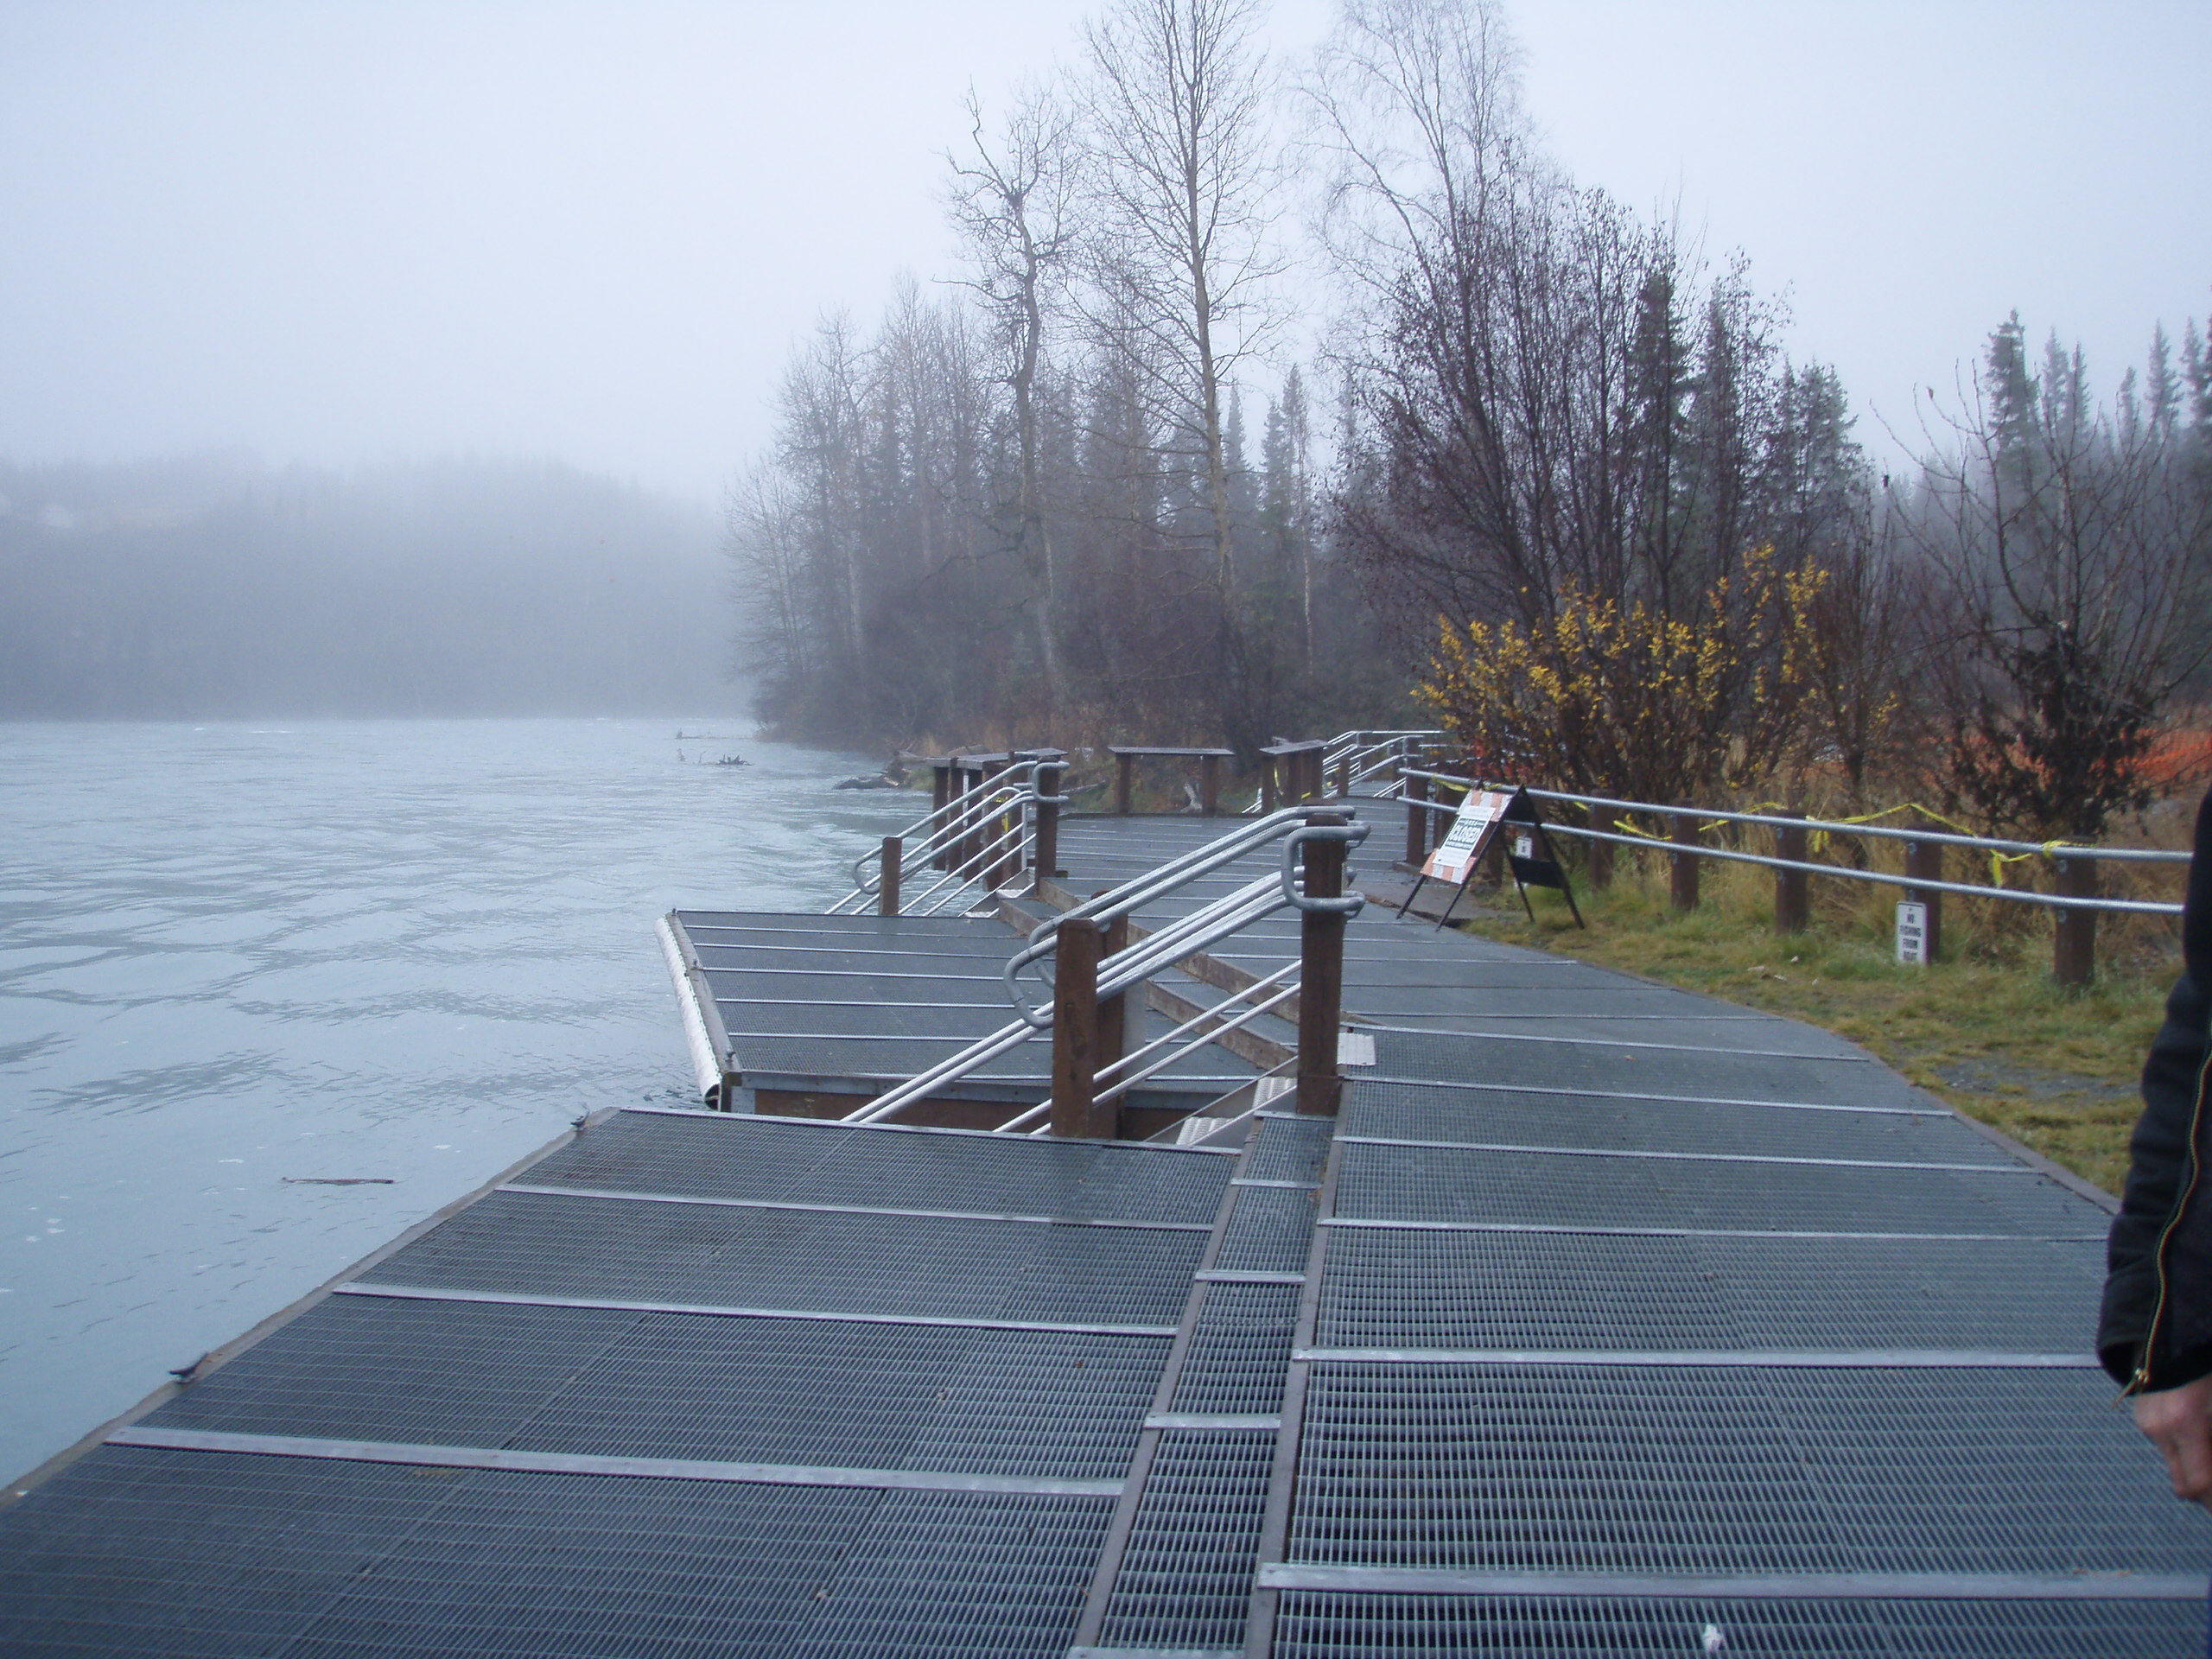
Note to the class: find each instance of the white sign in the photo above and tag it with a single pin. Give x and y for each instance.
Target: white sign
(1524, 846)
(1912, 932)
(1469, 833)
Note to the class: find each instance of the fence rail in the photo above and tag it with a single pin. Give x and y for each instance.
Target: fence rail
(2075, 867)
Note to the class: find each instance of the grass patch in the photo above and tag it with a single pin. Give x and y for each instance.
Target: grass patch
(1985, 1030)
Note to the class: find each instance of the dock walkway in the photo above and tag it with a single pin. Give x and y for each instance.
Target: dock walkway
(1603, 1319)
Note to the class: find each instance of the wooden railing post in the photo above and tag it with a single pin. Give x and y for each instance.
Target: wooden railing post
(2074, 952)
(1112, 1039)
(1344, 775)
(1046, 852)
(1924, 861)
(1416, 821)
(1600, 872)
(1320, 975)
(1124, 783)
(1075, 1031)
(1792, 888)
(940, 798)
(886, 893)
(1209, 785)
(1684, 884)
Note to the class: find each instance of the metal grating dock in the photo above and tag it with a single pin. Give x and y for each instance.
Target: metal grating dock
(1605, 1320)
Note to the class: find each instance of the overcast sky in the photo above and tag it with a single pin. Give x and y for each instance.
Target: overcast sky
(338, 232)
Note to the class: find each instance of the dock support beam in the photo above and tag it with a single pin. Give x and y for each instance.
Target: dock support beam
(2074, 952)
(1684, 892)
(1320, 975)
(1792, 888)
(886, 894)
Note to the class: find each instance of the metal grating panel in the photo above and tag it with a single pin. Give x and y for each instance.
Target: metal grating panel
(1316, 1625)
(1441, 1185)
(1496, 1116)
(1708, 1028)
(1239, 1350)
(536, 1243)
(788, 1391)
(1271, 1229)
(1596, 1067)
(790, 1160)
(1290, 1149)
(946, 1576)
(1710, 1473)
(134, 1551)
(1186, 1580)
(1392, 1289)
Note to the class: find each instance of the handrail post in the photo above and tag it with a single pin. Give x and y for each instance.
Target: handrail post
(940, 798)
(1344, 775)
(886, 894)
(1923, 860)
(1416, 792)
(1320, 975)
(1268, 789)
(1599, 870)
(1124, 783)
(2074, 951)
(1792, 888)
(1075, 1030)
(1046, 852)
(1209, 785)
(1684, 884)
(1112, 1040)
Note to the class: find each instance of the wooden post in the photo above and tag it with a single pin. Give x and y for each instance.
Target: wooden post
(1320, 975)
(1416, 821)
(1267, 765)
(1047, 849)
(1343, 776)
(1075, 1031)
(2073, 953)
(1792, 888)
(1124, 783)
(1924, 861)
(1209, 785)
(886, 893)
(1112, 1039)
(940, 798)
(1685, 863)
(1600, 869)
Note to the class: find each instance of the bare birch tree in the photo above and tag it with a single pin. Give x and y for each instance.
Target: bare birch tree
(1176, 130)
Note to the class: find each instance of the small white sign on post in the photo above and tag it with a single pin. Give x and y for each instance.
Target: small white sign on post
(1912, 932)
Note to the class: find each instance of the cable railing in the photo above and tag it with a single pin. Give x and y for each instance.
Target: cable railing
(2073, 867)
(975, 842)
(1309, 884)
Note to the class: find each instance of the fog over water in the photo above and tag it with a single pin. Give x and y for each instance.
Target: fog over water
(232, 955)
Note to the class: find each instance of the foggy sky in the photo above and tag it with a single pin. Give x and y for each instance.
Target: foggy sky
(336, 232)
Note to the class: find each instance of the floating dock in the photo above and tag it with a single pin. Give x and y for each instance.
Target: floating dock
(1604, 1318)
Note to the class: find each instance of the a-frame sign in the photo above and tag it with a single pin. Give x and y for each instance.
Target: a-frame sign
(1483, 815)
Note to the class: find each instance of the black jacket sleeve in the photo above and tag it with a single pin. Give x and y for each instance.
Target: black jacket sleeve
(2165, 1197)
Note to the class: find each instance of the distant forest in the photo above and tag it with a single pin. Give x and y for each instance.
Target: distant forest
(1285, 399)
(214, 587)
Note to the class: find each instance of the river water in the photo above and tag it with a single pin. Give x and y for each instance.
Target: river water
(233, 958)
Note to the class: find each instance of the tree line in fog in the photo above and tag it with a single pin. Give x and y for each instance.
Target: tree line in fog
(1112, 480)
(214, 587)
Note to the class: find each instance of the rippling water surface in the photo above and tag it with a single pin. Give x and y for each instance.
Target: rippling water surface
(233, 956)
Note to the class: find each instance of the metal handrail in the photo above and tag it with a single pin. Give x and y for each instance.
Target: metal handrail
(2019, 895)
(1176, 941)
(1012, 792)
(1372, 751)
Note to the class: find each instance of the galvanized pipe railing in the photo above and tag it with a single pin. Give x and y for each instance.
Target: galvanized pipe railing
(1125, 969)
(2073, 867)
(973, 836)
